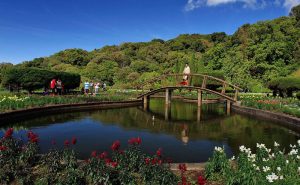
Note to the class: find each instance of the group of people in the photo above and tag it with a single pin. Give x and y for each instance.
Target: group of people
(93, 88)
(56, 87)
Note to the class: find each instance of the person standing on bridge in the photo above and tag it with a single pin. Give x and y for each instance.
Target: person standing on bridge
(186, 73)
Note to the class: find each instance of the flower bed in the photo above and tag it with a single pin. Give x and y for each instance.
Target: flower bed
(14, 102)
(289, 106)
(21, 164)
(265, 167)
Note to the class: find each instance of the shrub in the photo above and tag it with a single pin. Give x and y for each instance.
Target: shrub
(286, 85)
(34, 78)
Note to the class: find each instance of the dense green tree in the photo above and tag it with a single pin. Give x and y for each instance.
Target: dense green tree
(77, 57)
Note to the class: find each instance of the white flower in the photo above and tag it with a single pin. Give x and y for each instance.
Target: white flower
(232, 158)
(242, 148)
(281, 177)
(218, 149)
(265, 159)
(299, 169)
(278, 169)
(298, 142)
(276, 144)
(293, 152)
(287, 161)
(266, 168)
(272, 177)
(257, 168)
(298, 157)
(292, 146)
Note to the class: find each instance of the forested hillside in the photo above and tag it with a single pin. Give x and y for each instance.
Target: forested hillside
(251, 57)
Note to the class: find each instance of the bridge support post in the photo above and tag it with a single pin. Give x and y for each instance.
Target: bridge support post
(168, 96)
(228, 108)
(199, 98)
(199, 114)
(167, 112)
(146, 100)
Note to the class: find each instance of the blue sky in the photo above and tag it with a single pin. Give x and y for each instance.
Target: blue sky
(37, 28)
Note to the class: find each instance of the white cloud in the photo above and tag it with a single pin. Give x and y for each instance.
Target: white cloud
(290, 3)
(254, 4)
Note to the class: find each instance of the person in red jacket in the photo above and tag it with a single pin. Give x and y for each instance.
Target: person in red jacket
(52, 86)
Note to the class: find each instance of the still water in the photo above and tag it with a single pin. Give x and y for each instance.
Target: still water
(184, 132)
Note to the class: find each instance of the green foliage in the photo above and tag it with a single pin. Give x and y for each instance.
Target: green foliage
(34, 78)
(130, 166)
(77, 57)
(285, 85)
(264, 167)
(254, 55)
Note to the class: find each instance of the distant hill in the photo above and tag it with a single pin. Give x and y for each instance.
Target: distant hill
(251, 57)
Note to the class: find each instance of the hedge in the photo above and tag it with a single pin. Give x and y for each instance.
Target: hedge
(33, 78)
(285, 85)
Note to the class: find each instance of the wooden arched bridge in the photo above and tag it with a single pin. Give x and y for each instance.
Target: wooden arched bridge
(199, 82)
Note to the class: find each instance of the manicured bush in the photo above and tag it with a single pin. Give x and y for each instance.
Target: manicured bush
(34, 78)
(286, 85)
(298, 95)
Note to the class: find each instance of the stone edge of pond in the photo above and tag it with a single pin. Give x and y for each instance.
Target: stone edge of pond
(63, 108)
(275, 116)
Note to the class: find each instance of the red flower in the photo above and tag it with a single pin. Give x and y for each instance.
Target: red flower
(158, 152)
(94, 154)
(53, 142)
(182, 168)
(107, 161)
(136, 141)
(147, 160)
(121, 151)
(74, 140)
(116, 145)
(103, 155)
(32, 137)
(183, 180)
(154, 161)
(8, 133)
(114, 164)
(3, 148)
(201, 180)
(66, 143)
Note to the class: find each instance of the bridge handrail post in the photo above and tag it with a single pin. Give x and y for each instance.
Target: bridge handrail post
(236, 94)
(224, 88)
(204, 82)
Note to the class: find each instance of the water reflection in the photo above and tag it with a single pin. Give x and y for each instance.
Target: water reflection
(189, 134)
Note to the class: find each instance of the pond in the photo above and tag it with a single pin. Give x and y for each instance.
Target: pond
(185, 133)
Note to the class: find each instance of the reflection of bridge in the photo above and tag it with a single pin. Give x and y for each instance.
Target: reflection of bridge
(199, 82)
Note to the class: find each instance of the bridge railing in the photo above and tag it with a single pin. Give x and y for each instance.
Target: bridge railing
(194, 80)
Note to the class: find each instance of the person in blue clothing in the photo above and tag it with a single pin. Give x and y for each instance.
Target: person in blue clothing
(86, 87)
